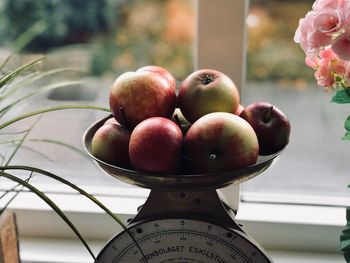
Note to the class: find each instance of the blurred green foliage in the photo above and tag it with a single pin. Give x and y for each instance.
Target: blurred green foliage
(272, 53)
(122, 35)
(67, 22)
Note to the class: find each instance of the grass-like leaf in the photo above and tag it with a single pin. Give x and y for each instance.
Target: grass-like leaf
(78, 189)
(345, 238)
(52, 205)
(17, 72)
(36, 92)
(50, 109)
(23, 40)
(35, 76)
(13, 189)
(60, 143)
(21, 142)
(66, 182)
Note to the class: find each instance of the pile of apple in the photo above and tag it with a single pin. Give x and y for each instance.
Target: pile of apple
(202, 129)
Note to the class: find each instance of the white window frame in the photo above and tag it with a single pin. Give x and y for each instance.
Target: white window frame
(280, 228)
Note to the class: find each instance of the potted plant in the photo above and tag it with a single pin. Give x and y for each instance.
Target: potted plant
(12, 95)
(324, 35)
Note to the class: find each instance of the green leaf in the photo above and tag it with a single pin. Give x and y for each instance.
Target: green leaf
(18, 146)
(347, 128)
(15, 195)
(78, 189)
(13, 74)
(347, 124)
(345, 238)
(50, 109)
(64, 181)
(342, 96)
(35, 76)
(346, 137)
(52, 205)
(36, 92)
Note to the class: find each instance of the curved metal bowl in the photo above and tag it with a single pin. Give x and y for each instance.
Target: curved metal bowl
(186, 182)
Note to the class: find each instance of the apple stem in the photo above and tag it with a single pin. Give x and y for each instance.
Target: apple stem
(176, 117)
(212, 156)
(207, 79)
(268, 114)
(123, 118)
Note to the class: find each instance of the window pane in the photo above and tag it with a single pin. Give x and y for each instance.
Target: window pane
(102, 39)
(314, 167)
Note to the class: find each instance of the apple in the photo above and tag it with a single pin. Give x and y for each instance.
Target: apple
(270, 124)
(110, 144)
(239, 109)
(162, 71)
(219, 142)
(205, 91)
(136, 96)
(155, 144)
(111, 120)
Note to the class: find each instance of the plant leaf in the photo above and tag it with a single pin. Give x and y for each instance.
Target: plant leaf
(345, 238)
(30, 78)
(346, 137)
(52, 205)
(13, 74)
(36, 92)
(21, 142)
(50, 109)
(78, 189)
(347, 128)
(15, 195)
(63, 144)
(64, 181)
(342, 96)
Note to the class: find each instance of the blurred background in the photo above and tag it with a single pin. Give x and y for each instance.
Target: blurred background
(103, 38)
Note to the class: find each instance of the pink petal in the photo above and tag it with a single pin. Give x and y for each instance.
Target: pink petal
(341, 46)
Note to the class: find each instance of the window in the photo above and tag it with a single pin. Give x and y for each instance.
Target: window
(313, 168)
(109, 52)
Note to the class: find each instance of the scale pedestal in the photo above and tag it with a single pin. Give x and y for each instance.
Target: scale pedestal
(183, 220)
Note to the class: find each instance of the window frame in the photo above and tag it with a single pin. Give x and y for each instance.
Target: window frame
(269, 224)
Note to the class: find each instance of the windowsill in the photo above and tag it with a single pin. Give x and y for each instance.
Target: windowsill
(66, 250)
(288, 231)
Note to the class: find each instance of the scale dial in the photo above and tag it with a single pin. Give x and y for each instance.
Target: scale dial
(181, 241)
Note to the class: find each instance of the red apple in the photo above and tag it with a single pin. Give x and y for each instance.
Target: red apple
(110, 144)
(162, 71)
(154, 145)
(239, 109)
(205, 91)
(270, 125)
(220, 142)
(111, 120)
(136, 96)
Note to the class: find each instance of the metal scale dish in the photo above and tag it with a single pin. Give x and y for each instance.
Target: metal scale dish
(183, 220)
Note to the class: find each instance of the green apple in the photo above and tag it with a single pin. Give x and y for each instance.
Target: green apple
(205, 91)
(110, 144)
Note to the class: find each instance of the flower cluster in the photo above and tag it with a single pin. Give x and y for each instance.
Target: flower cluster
(324, 35)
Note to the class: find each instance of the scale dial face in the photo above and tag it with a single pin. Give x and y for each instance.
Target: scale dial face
(181, 241)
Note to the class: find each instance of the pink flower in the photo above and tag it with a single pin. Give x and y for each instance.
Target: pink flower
(346, 11)
(316, 29)
(312, 62)
(347, 73)
(341, 46)
(326, 66)
(323, 74)
(319, 4)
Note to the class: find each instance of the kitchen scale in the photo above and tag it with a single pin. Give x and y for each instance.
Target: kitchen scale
(183, 219)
